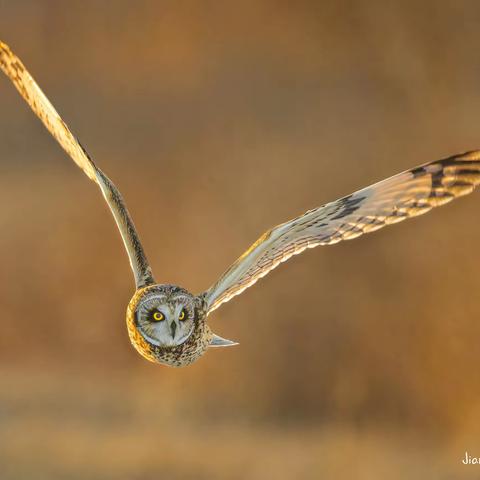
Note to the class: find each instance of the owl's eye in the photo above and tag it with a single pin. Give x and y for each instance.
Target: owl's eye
(157, 316)
(183, 315)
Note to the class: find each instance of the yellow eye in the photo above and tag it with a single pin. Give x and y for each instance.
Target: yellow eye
(158, 316)
(182, 315)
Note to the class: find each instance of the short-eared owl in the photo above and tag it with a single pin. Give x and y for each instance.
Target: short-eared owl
(166, 323)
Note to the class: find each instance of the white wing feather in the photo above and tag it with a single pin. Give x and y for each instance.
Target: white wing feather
(393, 200)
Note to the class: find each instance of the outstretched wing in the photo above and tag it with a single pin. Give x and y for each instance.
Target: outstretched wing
(397, 198)
(41, 106)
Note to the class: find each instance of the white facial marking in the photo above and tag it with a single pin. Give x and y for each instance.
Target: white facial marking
(170, 331)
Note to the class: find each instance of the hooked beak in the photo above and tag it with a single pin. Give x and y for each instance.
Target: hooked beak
(173, 329)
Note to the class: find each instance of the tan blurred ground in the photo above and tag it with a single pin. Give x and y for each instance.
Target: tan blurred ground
(218, 120)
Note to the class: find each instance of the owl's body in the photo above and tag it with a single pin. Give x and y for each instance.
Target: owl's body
(177, 355)
(167, 324)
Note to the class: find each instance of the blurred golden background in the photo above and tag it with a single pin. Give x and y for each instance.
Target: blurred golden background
(218, 120)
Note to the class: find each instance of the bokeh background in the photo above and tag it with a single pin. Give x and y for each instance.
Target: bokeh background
(218, 120)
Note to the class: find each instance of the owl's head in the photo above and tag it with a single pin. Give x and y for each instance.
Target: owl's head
(166, 324)
(165, 316)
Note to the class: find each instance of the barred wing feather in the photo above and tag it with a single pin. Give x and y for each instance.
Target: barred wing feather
(14, 69)
(393, 200)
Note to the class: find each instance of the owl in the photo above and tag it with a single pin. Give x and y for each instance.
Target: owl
(168, 324)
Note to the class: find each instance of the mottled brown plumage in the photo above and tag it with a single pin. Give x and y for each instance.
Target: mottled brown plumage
(167, 324)
(177, 356)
